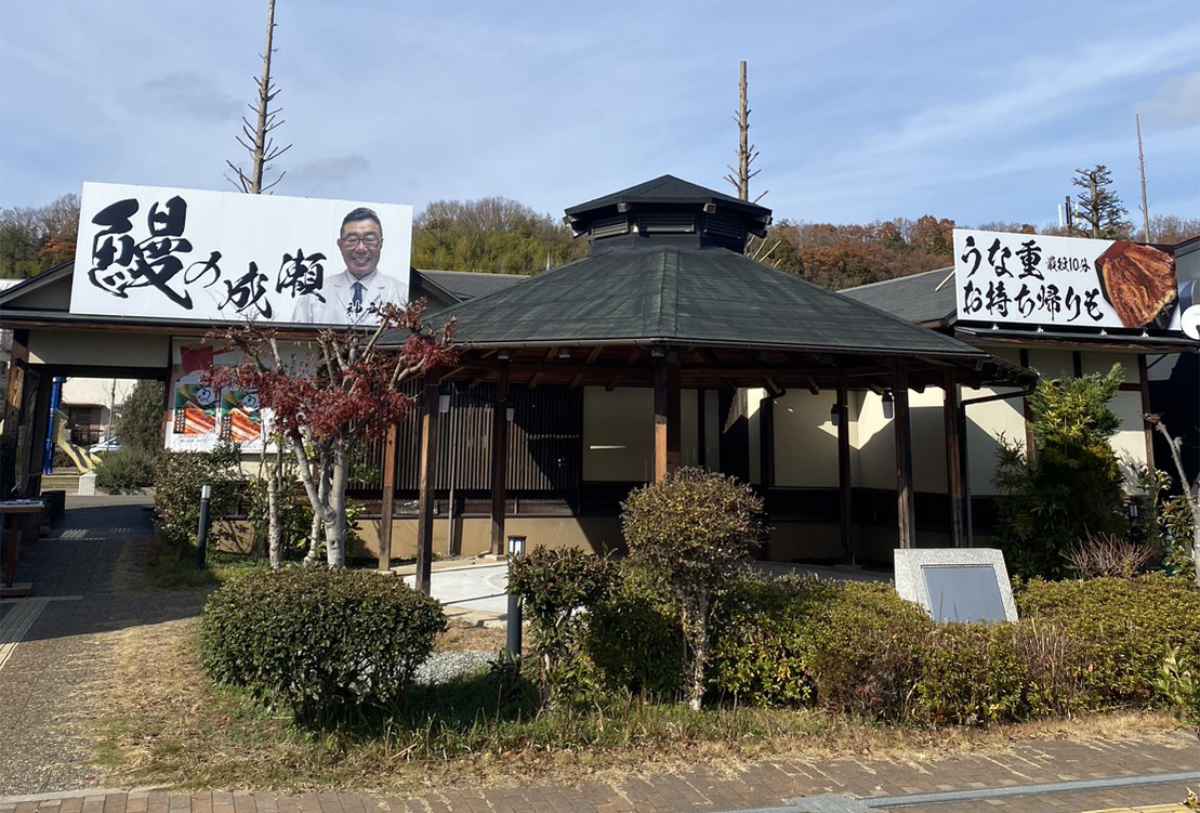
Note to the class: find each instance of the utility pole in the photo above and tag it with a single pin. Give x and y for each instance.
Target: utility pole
(1142, 166)
(747, 152)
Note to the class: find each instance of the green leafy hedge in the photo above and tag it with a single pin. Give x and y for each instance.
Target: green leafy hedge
(318, 641)
(1122, 629)
(126, 472)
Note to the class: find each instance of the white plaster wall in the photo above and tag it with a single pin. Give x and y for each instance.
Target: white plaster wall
(753, 399)
(805, 440)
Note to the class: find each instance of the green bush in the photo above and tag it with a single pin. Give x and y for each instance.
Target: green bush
(763, 652)
(177, 482)
(1073, 485)
(978, 674)
(555, 585)
(635, 638)
(1175, 523)
(1123, 628)
(126, 472)
(867, 650)
(318, 641)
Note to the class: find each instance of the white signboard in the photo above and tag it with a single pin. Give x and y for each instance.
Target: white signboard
(1034, 279)
(153, 252)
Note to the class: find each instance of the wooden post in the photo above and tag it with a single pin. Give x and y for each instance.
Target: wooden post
(844, 485)
(702, 429)
(14, 399)
(1144, 380)
(499, 462)
(954, 480)
(425, 482)
(1030, 444)
(674, 417)
(766, 440)
(388, 505)
(903, 433)
(661, 408)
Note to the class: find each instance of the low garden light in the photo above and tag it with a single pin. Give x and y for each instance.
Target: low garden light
(516, 550)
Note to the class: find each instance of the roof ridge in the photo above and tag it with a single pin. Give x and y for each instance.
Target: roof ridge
(473, 273)
(896, 279)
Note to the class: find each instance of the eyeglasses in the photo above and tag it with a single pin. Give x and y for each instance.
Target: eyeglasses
(354, 240)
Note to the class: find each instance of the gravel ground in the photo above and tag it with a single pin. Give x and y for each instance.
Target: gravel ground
(443, 667)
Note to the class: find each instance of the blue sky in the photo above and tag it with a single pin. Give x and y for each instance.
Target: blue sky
(977, 111)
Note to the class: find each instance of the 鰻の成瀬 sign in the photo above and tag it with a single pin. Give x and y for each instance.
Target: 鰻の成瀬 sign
(187, 254)
(1034, 279)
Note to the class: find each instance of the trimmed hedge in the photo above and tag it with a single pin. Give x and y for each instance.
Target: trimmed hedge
(858, 648)
(319, 641)
(1122, 628)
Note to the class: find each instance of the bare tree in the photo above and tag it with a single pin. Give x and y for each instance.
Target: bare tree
(747, 152)
(256, 139)
(1191, 491)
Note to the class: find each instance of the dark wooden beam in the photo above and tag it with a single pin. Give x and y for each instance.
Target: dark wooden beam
(552, 354)
(954, 461)
(674, 418)
(701, 435)
(429, 422)
(905, 523)
(844, 484)
(634, 355)
(537, 379)
(577, 381)
(499, 463)
(812, 386)
(595, 354)
(388, 505)
(1144, 382)
(1030, 444)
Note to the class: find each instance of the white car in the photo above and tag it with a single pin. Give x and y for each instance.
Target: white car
(106, 446)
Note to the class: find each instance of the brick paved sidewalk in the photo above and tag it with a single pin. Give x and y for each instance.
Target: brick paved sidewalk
(764, 784)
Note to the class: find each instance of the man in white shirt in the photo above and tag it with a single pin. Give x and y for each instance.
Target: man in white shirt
(349, 295)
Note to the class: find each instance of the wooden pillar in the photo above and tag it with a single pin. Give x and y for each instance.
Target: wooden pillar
(14, 399)
(702, 429)
(844, 485)
(1144, 380)
(1030, 443)
(766, 440)
(661, 386)
(903, 432)
(425, 482)
(499, 462)
(674, 417)
(954, 461)
(388, 505)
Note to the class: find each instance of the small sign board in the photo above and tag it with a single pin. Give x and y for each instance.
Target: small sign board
(956, 584)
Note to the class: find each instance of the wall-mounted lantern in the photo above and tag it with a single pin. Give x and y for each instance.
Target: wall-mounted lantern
(889, 404)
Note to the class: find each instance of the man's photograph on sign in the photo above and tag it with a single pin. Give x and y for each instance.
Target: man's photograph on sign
(1051, 281)
(155, 252)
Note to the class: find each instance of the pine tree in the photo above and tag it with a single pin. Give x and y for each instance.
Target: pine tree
(1098, 206)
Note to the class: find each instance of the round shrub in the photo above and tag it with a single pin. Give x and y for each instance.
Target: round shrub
(1123, 629)
(692, 531)
(321, 642)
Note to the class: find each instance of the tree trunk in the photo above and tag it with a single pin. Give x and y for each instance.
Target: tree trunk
(274, 532)
(316, 534)
(695, 630)
(335, 514)
(1191, 492)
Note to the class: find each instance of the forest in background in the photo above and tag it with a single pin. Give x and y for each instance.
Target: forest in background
(498, 235)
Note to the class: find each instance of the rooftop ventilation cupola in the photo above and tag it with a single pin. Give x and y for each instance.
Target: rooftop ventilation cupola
(668, 210)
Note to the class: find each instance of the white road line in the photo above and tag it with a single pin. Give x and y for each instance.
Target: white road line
(14, 626)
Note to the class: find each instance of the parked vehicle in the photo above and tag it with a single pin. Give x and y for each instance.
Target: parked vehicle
(106, 446)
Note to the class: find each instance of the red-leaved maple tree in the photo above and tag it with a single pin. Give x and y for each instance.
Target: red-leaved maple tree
(329, 393)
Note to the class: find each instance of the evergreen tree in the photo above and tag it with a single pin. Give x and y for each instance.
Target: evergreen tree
(1098, 206)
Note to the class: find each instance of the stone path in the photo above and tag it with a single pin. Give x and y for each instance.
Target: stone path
(56, 649)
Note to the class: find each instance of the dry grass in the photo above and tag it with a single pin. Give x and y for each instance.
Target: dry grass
(163, 723)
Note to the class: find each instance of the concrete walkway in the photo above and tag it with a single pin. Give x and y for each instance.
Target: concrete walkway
(56, 648)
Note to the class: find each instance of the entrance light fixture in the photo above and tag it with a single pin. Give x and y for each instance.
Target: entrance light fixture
(889, 404)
